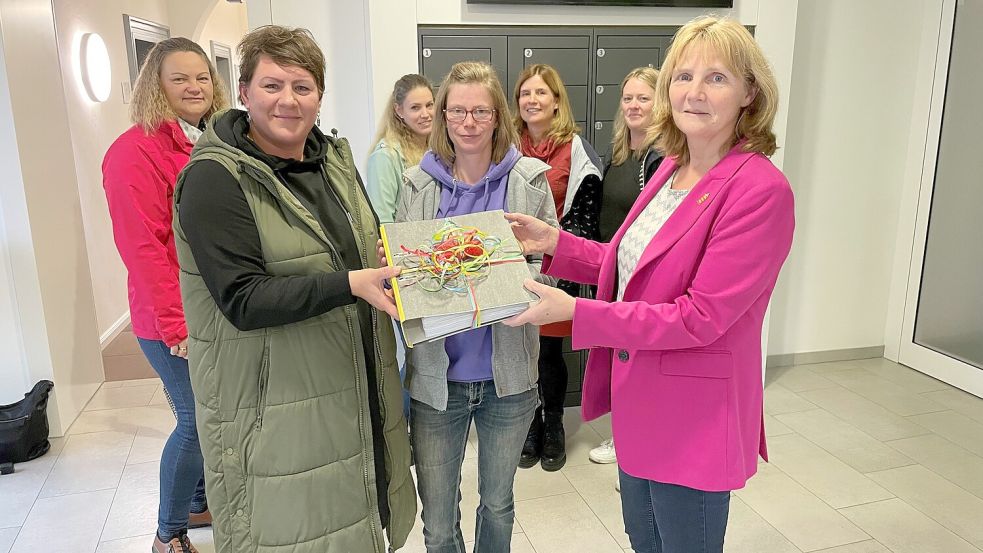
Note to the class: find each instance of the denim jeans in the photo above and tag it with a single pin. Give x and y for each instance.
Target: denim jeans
(182, 487)
(667, 518)
(439, 438)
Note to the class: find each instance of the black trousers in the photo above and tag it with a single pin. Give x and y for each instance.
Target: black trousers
(552, 374)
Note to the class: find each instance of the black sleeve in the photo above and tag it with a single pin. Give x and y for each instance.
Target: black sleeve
(226, 247)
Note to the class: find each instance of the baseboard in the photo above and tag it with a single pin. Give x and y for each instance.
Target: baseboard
(827, 356)
(114, 330)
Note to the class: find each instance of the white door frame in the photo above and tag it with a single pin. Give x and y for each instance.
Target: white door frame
(916, 206)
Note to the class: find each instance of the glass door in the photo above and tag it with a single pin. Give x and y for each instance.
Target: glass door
(943, 320)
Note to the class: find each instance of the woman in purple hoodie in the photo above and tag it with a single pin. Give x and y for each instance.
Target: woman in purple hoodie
(487, 375)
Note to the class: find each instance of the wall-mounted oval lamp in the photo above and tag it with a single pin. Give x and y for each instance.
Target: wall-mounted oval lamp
(96, 71)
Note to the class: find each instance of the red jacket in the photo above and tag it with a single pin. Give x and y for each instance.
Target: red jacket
(138, 174)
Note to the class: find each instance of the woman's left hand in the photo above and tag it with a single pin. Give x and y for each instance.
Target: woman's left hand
(554, 305)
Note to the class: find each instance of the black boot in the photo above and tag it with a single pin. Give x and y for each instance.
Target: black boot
(554, 443)
(534, 442)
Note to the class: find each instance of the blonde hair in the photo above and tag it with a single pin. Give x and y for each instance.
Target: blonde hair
(621, 138)
(562, 127)
(393, 129)
(149, 107)
(286, 47)
(742, 55)
(480, 73)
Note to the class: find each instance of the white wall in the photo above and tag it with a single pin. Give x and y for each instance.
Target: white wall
(53, 310)
(851, 102)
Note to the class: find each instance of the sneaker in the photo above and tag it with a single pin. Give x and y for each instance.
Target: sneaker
(199, 520)
(603, 453)
(178, 544)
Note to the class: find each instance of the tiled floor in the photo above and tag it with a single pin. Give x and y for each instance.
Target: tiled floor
(867, 456)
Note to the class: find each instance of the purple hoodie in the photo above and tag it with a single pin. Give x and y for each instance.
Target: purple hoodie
(470, 352)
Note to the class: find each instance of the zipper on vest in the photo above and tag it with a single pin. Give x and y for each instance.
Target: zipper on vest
(359, 240)
(262, 385)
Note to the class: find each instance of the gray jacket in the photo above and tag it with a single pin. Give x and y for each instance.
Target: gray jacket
(515, 351)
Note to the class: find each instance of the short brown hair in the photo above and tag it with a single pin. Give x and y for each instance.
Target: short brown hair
(473, 72)
(562, 128)
(150, 107)
(286, 47)
(742, 55)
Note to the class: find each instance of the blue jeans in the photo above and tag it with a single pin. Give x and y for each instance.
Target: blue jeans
(439, 438)
(666, 518)
(182, 487)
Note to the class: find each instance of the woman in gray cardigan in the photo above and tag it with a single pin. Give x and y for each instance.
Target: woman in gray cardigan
(487, 375)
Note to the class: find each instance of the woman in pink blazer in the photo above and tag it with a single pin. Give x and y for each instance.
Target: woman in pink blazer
(675, 331)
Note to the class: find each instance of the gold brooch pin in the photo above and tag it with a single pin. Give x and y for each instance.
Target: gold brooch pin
(703, 198)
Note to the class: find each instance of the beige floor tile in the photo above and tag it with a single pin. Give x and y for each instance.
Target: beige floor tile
(18, 491)
(959, 401)
(595, 484)
(800, 516)
(799, 379)
(124, 396)
(136, 544)
(147, 446)
(134, 509)
(64, 524)
(864, 414)
(945, 458)
(564, 524)
(779, 400)
(202, 540)
(160, 398)
(89, 462)
(535, 482)
(901, 375)
(129, 420)
(955, 427)
(831, 367)
(141, 382)
(774, 427)
(945, 502)
(7, 537)
(886, 393)
(821, 473)
(111, 384)
(869, 546)
(849, 444)
(747, 532)
(903, 529)
(602, 425)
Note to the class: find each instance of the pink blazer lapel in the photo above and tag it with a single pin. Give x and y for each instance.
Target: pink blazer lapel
(700, 197)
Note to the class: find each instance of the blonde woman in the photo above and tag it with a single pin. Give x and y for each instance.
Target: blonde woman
(176, 91)
(682, 289)
(486, 375)
(548, 133)
(400, 142)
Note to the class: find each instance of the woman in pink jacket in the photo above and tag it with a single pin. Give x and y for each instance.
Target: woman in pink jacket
(675, 331)
(176, 91)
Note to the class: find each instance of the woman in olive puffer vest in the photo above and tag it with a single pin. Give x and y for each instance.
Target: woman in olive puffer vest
(293, 366)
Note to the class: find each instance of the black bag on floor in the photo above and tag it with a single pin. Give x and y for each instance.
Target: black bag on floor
(24, 426)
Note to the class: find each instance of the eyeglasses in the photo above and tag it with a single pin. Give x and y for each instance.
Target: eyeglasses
(480, 115)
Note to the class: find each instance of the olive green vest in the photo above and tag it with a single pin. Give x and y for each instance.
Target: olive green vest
(282, 412)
